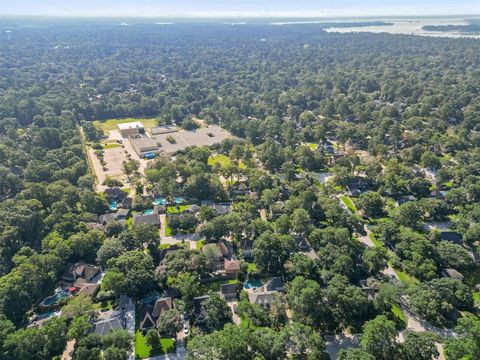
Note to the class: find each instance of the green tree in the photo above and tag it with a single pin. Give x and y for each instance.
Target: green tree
(378, 338)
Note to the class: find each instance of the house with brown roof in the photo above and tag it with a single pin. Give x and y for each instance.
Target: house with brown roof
(80, 270)
(153, 315)
(232, 267)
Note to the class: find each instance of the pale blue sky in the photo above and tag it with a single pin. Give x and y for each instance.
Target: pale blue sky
(158, 8)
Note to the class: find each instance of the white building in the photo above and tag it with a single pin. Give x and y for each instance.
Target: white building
(131, 128)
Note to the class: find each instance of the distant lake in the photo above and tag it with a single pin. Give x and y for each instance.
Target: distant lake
(411, 27)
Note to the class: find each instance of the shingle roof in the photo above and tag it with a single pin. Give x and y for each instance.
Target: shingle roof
(104, 327)
(232, 265)
(161, 306)
(150, 219)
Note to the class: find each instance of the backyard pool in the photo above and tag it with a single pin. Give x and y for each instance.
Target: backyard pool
(254, 283)
(59, 295)
(113, 205)
(148, 212)
(160, 201)
(179, 200)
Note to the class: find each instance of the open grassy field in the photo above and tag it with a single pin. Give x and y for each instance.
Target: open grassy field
(111, 124)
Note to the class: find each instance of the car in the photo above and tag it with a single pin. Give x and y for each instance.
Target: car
(186, 329)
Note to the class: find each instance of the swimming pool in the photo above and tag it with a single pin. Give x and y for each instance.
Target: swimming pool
(179, 200)
(160, 201)
(254, 283)
(59, 295)
(148, 212)
(113, 205)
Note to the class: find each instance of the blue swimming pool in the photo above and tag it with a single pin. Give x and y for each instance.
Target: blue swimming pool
(253, 283)
(59, 295)
(148, 212)
(160, 201)
(179, 200)
(113, 205)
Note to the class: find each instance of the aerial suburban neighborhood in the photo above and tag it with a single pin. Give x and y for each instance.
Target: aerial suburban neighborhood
(218, 191)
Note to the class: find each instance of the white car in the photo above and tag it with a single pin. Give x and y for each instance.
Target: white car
(186, 329)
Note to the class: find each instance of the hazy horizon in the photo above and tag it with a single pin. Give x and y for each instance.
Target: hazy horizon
(238, 9)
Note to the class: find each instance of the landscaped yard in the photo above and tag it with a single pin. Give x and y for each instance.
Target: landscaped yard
(349, 203)
(176, 209)
(406, 278)
(199, 244)
(143, 350)
(223, 161)
(399, 314)
(111, 124)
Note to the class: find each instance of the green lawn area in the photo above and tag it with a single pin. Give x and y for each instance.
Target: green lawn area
(111, 146)
(406, 278)
(168, 231)
(399, 314)
(221, 159)
(349, 203)
(377, 242)
(312, 146)
(252, 267)
(176, 210)
(476, 298)
(143, 350)
(111, 124)
(199, 244)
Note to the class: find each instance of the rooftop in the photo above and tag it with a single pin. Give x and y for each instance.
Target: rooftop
(131, 125)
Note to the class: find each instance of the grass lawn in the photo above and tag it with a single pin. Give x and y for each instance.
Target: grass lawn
(199, 244)
(252, 267)
(111, 146)
(377, 242)
(111, 124)
(143, 350)
(349, 203)
(476, 298)
(221, 159)
(312, 146)
(176, 210)
(399, 314)
(168, 231)
(406, 278)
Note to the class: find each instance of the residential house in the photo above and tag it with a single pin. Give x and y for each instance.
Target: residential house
(115, 194)
(247, 245)
(232, 267)
(153, 315)
(149, 219)
(452, 273)
(127, 203)
(262, 298)
(192, 209)
(302, 243)
(116, 321)
(405, 199)
(88, 290)
(199, 310)
(122, 214)
(451, 236)
(80, 270)
(229, 292)
(221, 209)
(275, 284)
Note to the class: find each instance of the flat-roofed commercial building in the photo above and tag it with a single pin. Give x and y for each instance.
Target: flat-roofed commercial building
(131, 128)
(143, 145)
